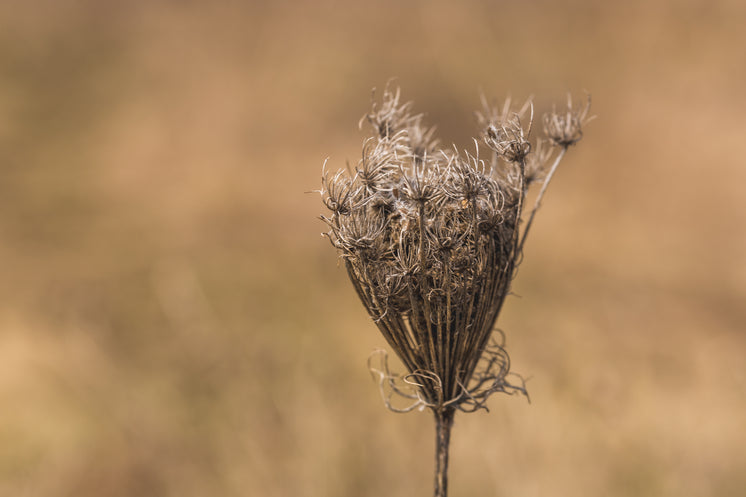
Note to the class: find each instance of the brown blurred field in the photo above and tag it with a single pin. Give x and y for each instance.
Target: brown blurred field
(172, 324)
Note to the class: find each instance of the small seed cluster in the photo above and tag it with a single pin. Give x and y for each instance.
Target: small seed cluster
(430, 238)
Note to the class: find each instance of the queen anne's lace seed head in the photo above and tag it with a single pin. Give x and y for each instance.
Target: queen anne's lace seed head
(565, 128)
(430, 239)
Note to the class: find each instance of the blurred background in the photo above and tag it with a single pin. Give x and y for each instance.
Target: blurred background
(171, 322)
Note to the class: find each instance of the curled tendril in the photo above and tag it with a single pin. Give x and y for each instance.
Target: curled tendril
(412, 388)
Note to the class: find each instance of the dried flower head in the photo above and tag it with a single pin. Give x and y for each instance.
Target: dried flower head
(431, 240)
(566, 128)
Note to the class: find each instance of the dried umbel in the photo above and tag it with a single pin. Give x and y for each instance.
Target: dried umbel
(431, 239)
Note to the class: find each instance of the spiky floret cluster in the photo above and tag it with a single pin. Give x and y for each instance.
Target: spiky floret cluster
(430, 238)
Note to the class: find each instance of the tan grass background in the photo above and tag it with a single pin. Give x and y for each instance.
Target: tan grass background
(172, 324)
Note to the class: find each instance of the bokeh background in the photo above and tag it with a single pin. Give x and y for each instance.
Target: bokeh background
(172, 324)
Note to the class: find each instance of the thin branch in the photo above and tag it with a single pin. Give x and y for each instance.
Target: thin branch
(540, 196)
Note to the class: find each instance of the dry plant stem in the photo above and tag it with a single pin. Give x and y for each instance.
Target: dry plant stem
(443, 425)
(537, 204)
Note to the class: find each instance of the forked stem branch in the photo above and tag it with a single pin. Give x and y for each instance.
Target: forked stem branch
(540, 196)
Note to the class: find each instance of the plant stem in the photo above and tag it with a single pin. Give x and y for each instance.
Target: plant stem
(443, 424)
(540, 196)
